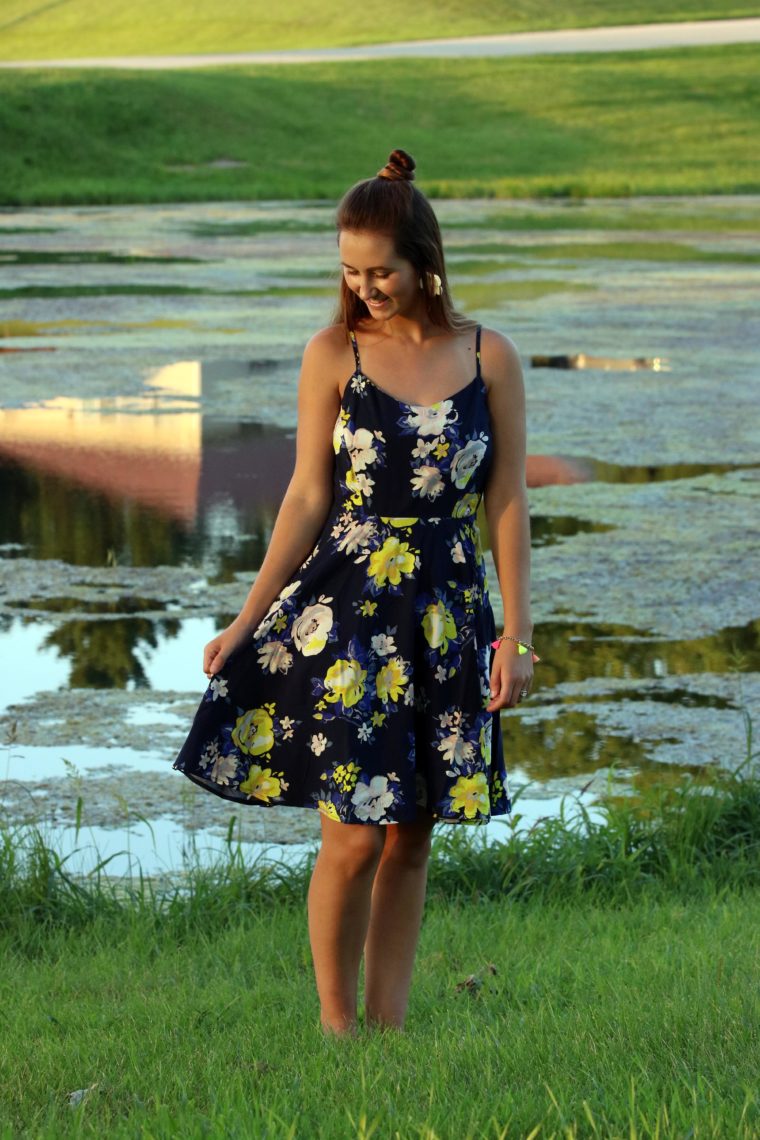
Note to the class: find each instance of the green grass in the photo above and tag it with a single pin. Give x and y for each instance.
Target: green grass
(36, 30)
(670, 122)
(595, 982)
(587, 977)
(611, 1022)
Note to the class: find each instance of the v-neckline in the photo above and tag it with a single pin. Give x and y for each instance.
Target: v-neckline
(357, 374)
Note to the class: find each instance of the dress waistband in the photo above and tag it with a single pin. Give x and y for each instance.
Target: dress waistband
(465, 510)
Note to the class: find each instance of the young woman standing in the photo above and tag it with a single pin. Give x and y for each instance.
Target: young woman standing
(363, 676)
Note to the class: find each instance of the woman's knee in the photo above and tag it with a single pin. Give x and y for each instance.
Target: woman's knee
(409, 844)
(355, 847)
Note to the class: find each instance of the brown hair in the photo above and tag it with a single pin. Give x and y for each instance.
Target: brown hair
(390, 204)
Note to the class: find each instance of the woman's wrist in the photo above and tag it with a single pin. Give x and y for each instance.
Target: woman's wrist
(520, 644)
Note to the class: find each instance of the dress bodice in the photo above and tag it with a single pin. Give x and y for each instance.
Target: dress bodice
(414, 460)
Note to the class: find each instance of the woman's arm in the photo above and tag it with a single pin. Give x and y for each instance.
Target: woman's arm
(307, 499)
(506, 504)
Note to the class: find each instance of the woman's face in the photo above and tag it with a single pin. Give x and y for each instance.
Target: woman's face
(387, 283)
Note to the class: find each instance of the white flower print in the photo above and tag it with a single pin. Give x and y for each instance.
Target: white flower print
(286, 724)
(423, 449)
(266, 623)
(440, 674)
(357, 535)
(364, 484)
(455, 748)
(310, 630)
(210, 752)
(318, 743)
(457, 552)
(359, 384)
(218, 687)
(337, 435)
(427, 481)
(360, 444)
(288, 590)
(409, 694)
(364, 731)
(273, 656)
(431, 420)
(224, 769)
(466, 461)
(383, 644)
(372, 799)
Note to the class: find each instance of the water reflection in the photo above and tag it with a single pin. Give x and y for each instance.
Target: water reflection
(134, 481)
(150, 480)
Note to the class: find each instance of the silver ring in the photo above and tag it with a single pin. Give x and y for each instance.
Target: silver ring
(523, 692)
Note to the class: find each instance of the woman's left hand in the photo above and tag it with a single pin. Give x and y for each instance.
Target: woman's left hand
(511, 677)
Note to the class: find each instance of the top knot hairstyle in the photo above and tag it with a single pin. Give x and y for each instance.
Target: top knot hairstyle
(390, 204)
(399, 167)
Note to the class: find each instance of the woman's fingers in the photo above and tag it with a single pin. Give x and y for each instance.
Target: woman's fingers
(506, 689)
(213, 659)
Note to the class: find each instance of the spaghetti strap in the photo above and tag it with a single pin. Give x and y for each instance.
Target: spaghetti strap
(478, 375)
(355, 346)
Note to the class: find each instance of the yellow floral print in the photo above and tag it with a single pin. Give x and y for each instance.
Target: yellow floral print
(394, 520)
(391, 679)
(366, 609)
(470, 795)
(393, 559)
(337, 438)
(346, 775)
(261, 784)
(467, 505)
(328, 808)
(253, 733)
(345, 682)
(438, 625)
(353, 485)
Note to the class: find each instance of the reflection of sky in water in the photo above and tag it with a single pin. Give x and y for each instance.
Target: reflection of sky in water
(173, 663)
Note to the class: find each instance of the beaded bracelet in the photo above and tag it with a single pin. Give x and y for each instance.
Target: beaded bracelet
(522, 646)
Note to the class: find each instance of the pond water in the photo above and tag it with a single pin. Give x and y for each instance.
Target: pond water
(148, 365)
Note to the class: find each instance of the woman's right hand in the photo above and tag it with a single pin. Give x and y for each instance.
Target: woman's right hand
(216, 651)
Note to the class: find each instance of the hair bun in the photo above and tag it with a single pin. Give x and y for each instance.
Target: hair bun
(399, 167)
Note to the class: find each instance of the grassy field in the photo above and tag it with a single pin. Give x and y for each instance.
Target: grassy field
(669, 122)
(640, 1021)
(597, 982)
(33, 30)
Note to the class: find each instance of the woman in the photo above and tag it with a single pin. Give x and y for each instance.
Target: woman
(361, 677)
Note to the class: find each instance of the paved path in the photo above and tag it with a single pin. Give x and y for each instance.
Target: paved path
(635, 37)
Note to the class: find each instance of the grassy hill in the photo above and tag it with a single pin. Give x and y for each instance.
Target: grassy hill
(665, 122)
(35, 29)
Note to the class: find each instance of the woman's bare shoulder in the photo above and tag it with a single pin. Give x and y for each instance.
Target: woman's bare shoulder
(328, 344)
(502, 371)
(499, 351)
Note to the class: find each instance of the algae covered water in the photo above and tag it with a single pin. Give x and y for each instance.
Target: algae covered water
(149, 360)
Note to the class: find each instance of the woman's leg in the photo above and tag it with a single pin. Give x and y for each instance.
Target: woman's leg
(398, 899)
(338, 906)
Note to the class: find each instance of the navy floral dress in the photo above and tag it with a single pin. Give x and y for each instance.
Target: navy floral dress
(363, 691)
